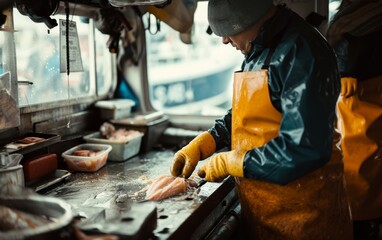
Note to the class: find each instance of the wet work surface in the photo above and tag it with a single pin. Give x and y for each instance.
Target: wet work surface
(111, 201)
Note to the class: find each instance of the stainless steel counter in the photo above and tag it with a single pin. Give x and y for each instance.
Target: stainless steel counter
(113, 192)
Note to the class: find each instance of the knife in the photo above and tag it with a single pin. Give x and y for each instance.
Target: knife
(201, 183)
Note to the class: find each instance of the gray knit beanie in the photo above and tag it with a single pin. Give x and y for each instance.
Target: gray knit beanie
(230, 17)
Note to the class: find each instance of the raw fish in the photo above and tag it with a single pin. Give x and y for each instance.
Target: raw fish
(12, 219)
(168, 186)
(119, 135)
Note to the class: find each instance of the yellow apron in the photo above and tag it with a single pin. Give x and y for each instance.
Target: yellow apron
(312, 207)
(360, 125)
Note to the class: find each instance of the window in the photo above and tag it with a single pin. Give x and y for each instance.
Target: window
(38, 62)
(2, 57)
(194, 78)
(333, 7)
(9, 111)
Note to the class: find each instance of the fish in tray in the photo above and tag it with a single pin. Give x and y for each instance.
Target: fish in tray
(109, 132)
(166, 186)
(24, 142)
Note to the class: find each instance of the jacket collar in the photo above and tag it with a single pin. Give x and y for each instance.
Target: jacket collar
(270, 32)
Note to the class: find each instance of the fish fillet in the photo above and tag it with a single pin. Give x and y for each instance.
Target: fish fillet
(159, 183)
(168, 186)
(12, 219)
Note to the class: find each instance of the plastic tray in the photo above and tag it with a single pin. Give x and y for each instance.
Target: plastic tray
(87, 164)
(121, 150)
(116, 108)
(27, 148)
(152, 130)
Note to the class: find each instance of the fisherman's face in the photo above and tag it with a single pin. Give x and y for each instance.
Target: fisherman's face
(243, 40)
(239, 43)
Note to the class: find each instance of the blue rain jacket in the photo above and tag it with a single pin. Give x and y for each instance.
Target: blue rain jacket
(304, 85)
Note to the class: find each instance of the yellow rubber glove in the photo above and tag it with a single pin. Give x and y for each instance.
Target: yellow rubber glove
(186, 159)
(223, 164)
(348, 86)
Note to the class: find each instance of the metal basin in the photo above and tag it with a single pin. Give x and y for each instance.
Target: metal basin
(12, 175)
(26, 200)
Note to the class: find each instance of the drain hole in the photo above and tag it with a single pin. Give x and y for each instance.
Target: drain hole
(127, 219)
(164, 230)
(163, 217)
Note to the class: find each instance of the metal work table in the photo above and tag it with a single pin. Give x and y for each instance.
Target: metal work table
(102, 196)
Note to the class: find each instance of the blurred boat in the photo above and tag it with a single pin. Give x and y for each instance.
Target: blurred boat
(198, 76)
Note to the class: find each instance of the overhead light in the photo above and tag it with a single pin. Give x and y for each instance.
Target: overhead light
(122, 3)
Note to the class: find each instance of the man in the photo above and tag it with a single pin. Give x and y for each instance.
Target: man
(279, 131)
(359, 50)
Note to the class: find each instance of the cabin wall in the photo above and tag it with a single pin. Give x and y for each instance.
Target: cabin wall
(305, 7)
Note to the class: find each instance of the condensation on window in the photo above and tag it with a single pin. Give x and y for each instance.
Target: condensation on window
(38, 63)
(333, 7)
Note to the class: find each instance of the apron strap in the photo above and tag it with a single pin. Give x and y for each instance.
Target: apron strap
(268, 59)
